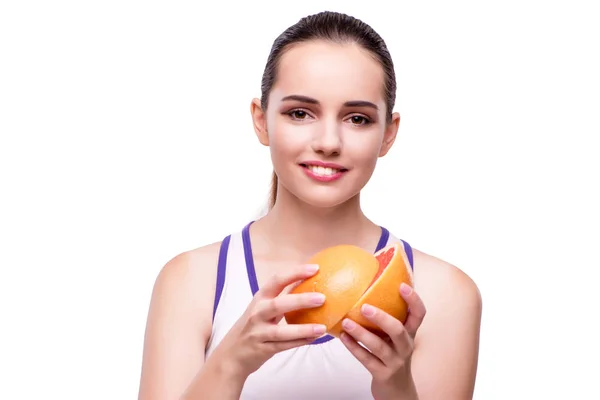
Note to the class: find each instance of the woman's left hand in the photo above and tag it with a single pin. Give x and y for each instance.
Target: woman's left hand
(388, 359)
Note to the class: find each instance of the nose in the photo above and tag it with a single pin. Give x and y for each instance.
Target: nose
(327, 139)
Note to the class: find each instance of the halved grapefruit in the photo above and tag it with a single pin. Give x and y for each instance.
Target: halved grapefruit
(350, 277)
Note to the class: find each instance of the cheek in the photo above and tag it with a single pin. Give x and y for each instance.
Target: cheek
(365, 148)
(286, 140)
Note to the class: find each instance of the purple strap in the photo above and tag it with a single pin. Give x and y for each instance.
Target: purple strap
(249, 259)
(409, 254)
(222, 265)
(385, 236)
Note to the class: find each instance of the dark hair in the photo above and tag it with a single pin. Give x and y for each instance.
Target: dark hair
(338, 28)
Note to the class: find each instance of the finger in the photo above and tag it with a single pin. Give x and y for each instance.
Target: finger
(290, 344)
(286, 333)
(375, 344)
(290, 287)
(279, 281)
(273, 308)
(416, 307)
(364, 356)
(392, 327)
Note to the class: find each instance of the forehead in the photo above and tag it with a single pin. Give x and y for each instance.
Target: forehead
(331, 73)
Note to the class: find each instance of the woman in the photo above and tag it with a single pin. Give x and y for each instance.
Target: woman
(215, 328)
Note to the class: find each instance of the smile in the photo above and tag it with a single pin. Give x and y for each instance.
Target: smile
(323, 172)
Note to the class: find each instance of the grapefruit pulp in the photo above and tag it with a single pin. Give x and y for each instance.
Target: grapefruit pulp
(350, 277)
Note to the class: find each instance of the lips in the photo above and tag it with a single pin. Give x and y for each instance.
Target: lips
(323, 170)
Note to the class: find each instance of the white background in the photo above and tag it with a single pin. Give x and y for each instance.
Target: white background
(126, 139)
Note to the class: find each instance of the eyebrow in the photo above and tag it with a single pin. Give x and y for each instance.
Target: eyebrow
(310, 100)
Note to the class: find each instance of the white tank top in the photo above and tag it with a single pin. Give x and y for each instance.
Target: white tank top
(324, 369)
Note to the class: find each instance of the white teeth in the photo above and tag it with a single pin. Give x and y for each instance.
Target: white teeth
(322, 171)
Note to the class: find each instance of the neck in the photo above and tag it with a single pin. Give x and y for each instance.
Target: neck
(298, 229)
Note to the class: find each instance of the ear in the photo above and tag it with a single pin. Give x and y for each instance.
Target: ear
(389, 136)
(259, 121)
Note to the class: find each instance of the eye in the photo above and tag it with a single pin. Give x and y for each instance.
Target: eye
(359, 120)
(298, 114)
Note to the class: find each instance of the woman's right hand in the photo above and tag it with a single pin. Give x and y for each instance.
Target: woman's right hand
(258, 335)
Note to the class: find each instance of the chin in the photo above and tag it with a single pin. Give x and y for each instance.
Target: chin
(325, 198)
(324, 194)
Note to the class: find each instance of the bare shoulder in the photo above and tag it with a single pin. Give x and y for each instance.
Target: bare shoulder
(439, 279)
(449, 294)
(179, 322)
(190, 264)
(189, 280)
(450, 331)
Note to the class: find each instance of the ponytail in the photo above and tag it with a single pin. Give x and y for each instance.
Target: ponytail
(273, 194)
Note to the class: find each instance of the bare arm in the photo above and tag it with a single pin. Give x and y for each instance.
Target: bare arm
(179, 327)
(444, 362)
(217, 380)
(177, 331)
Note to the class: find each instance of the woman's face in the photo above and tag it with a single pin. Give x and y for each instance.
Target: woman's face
(326, 121)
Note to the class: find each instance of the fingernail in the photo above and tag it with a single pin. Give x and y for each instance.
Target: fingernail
(317, 298)
(319, 329)
(405, 289)
(348, 324)
(368, 310)
(312, 268)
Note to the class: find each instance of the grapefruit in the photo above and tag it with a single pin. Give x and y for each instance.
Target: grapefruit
(349, 277)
